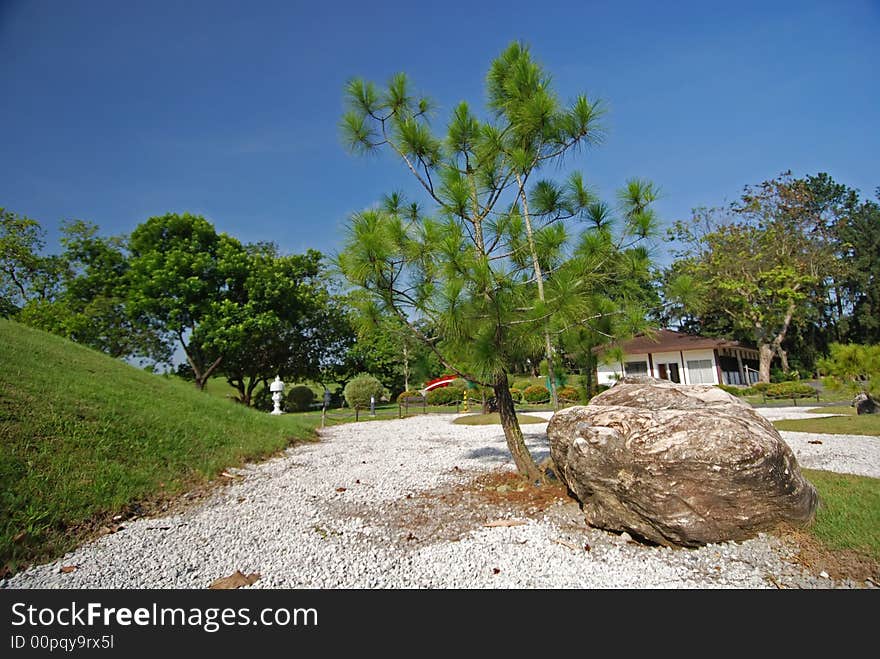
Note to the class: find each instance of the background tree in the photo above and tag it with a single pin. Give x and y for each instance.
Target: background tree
(756, 263)
(182, 271)
(268, 321)
(91, 305)
(469, 269)
(25, 273)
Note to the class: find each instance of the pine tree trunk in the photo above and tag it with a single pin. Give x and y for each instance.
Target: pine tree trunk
(765, 355)
(525, 464)
(551, 372)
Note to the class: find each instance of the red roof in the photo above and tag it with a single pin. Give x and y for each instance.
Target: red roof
(665, 340)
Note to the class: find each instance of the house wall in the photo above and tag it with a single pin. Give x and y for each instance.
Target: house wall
(710, 376)
(608, 374)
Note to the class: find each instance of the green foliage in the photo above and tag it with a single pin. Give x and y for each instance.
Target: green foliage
(516, 394)
(852, 367)
(536, 393)
(25, 275)
(491, 267)
(83, 437)
(788, 390)
(755, 264)
(300, 398)
(445, 396)
(569, 395)
(408, 394)
(360, 389)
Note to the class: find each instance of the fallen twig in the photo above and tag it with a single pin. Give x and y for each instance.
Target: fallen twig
(567, 544)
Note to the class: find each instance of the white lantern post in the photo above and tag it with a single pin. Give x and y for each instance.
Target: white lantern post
(277, 389)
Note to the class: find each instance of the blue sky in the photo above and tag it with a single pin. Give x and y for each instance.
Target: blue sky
(117, 111)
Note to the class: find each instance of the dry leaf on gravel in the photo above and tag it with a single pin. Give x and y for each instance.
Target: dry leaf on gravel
(505, 522)
(235, 580)
(67, 569)
(112, 528)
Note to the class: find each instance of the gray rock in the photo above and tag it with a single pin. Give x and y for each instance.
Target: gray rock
(865, 404)
(678, 464)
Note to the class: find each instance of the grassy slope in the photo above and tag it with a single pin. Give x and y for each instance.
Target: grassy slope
(82, 436)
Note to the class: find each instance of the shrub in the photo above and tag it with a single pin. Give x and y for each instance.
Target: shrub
(537, 393)
(445, 396)
(262, 400)
(408, 394)
(522, 385)
(789, 389)
(300, 398)
(359, 390)
(568, 395)
(516, 394)
(760, 387)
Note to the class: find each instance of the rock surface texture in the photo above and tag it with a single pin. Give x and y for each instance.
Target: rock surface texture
(864, 404)
(678, 464)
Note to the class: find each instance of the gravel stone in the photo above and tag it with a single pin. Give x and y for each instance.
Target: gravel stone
(290, 520)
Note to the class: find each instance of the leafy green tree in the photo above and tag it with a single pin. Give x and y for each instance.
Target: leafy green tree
(387, 348)
(755, 262)
(90, 306)
(469, 269)
(25, 274)
(182, 272)
(269, 321)
(859, 237)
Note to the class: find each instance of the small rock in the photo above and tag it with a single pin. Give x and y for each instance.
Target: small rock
(626, 537)
(823, 574)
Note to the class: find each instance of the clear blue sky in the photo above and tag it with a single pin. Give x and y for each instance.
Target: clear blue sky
(115, 111)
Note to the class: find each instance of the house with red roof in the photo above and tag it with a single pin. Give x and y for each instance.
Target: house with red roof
(681, 358)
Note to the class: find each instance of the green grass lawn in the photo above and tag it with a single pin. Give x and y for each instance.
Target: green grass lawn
(863, 424)
(83, 436)
(848, 410)
(493, 419)
(849, 515)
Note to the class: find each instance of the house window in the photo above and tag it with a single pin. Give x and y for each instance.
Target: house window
(669, 372)
(700, 371)
(635, 368)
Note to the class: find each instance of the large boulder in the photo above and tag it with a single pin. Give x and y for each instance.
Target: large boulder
(678, 464)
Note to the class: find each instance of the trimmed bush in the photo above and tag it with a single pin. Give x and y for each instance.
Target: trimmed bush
(445, 396)
(789, 390)
(568, 395)
(359, 390)
(761, 386)
(408, 394)
(537, 393)
(300, 398)
(516, 394)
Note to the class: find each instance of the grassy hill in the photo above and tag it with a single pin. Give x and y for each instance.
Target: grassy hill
(84, 437)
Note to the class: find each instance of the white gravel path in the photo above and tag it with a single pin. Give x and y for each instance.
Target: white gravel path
(289, 520)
